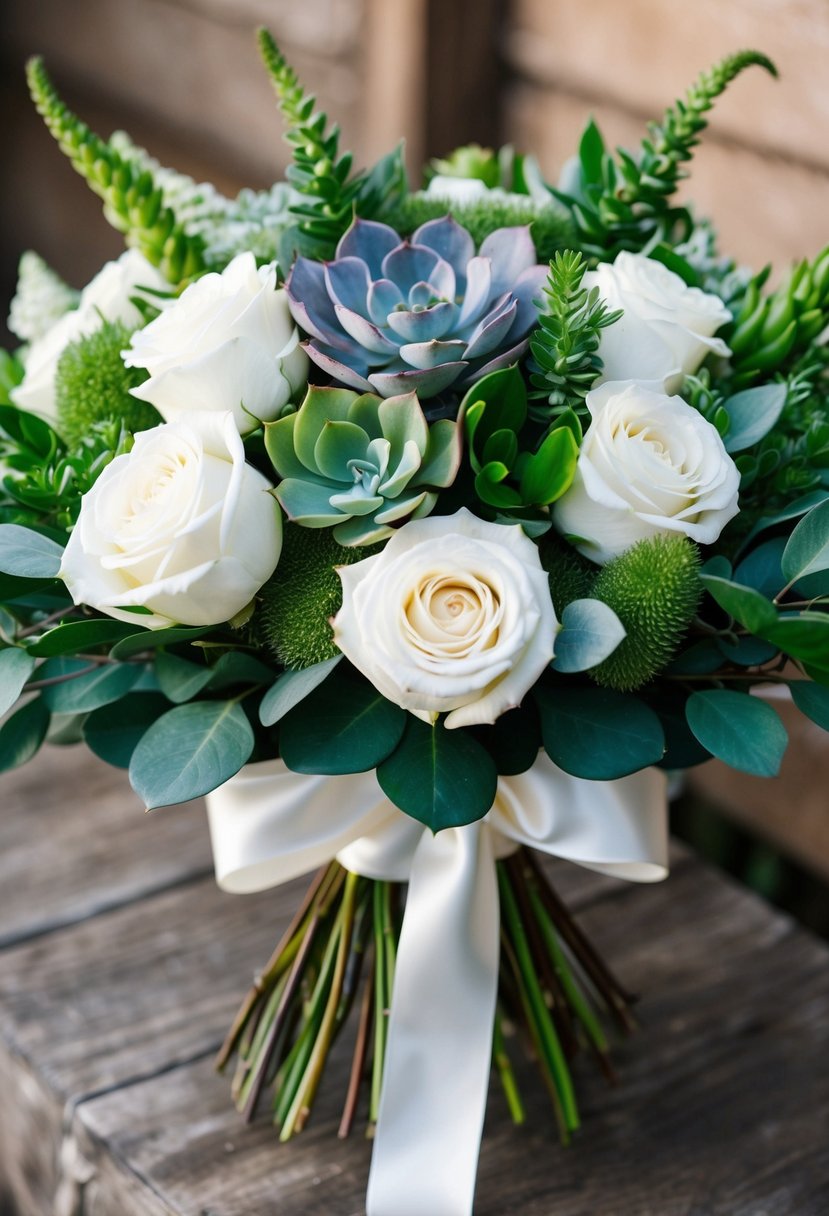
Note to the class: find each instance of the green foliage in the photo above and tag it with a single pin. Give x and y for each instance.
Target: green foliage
(85, 690)
(590, 632)
(189, 751)
(627, 202)
(15, 668)
(443, 778)
(92, 384)
(47, 476)
(113, 731)
(770, 333)
(291, 688)
(807, 550)
(27, 554)
(743, 731)
(343, 726)
(598, 734)
(654, 589)
(302, 595)
(470, 161)
(331, 195)
(509, 475)
(565, 346)
(550, 226)
(132, 202)
(11, 374)
(22, 734)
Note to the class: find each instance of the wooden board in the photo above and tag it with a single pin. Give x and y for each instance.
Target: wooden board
(109, 1020)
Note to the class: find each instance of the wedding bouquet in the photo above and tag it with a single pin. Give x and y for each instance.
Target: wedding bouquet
(425, 531)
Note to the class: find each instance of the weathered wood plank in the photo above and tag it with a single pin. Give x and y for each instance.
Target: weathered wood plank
(642, 54)
(74, 840)
(764, 209)
(721, 1112)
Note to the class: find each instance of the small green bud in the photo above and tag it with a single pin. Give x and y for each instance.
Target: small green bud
(92, 384)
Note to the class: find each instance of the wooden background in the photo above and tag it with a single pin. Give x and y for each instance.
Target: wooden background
(183, 77)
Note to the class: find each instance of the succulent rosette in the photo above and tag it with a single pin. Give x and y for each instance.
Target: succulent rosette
(360, 463)
(388, 315)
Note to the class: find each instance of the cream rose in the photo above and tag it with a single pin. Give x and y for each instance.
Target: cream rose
(648, 464)
(666, 329)
(180, 525)
(108, 297)
(454, 615)
(227, 343)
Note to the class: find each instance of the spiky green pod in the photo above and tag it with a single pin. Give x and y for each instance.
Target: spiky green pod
(770, 333)
(654, 589)
(302, 595)
(565, 346)
(626, 202)
(571, 576)
(550, 227)
(92, 384)
(132, 202)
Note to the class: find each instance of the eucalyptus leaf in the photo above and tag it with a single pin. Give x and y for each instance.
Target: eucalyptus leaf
(812, 700)
(80, 635)
(761, 567)
(590, 632)
(113, 731)
(22, 734)
(443, 778)
(803, 635)
(598, 734)
(752, 414)
(344, 727)
(189, 751)
(792, 511)
(27, 554)
(81, 693)
(743, 731)
(513, 740)
(293, 687)
(152, 639)
(744, 604)
(15, 668)
(807, 551)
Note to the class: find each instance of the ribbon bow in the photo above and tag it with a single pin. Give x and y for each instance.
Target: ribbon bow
(269, 825)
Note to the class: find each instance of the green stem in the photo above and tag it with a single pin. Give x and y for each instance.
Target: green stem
(503, 1063)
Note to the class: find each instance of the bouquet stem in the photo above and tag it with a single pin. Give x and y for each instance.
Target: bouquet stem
(554, 991)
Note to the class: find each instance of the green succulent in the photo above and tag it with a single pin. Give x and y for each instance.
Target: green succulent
(360, 464)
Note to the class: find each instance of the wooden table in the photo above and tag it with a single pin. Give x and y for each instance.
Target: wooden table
(122, 965)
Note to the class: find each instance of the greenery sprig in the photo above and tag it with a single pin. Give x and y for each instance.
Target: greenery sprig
(625, 203)
(132, 202)
(565, 346)
(331, 195)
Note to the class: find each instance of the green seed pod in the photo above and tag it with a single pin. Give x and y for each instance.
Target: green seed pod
(298, 601)
(92, 384)
(654, 589)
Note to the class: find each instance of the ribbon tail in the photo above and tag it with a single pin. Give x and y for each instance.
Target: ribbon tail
(439, 1045)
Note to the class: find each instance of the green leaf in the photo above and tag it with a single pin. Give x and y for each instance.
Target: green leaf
(590, 632)
(22, 734)
(343, 727)
(15, 668)
(598, 734)
(238, 667)
(179, 679)
(80, 635)
(752, 414)
(443, 778)
(794, 509)
(761, 568)
(739, 729)
(27, 554)
(803, 635)
(189, 751)
(151, 639)
(746, 605)
(549, 472)
(293, 687)
(514, 740)
(812, 700)
(591, 153)
(113, 731)
(808, 549)
(81, 694)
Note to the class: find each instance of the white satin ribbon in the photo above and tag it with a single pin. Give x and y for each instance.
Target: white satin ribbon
(269, 825)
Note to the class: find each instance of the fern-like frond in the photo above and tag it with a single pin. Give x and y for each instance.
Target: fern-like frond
(132, 202)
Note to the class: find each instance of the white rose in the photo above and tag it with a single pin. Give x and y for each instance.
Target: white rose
(108, 297)
(648, 464)
(227, 343)
(180, 525)
(453, 615)
(667, 328)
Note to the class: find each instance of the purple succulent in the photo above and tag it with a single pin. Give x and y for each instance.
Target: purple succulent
(392, 316)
